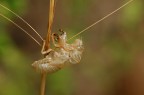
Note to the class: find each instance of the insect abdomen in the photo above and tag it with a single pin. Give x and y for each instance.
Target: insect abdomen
(44, 65)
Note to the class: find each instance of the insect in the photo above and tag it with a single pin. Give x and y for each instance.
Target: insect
(63, 52)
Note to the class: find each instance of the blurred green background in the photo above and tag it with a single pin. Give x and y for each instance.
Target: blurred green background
(113, 59)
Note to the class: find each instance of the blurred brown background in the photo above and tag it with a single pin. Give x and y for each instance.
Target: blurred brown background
(113, 59)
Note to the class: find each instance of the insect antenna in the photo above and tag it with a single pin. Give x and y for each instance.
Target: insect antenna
(20, 28)
(22, 20)
(85, 29)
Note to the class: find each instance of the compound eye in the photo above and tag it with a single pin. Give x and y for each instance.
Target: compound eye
(61, 31)
(56, 37)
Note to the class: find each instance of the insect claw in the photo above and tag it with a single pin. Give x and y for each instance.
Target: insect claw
(43, 51)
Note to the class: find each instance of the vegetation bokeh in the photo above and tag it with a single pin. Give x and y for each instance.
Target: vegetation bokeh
(112, 62)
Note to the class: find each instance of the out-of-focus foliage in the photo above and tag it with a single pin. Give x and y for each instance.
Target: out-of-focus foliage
(14, 67)
(19, 6)
(133, 14)
(113, 48)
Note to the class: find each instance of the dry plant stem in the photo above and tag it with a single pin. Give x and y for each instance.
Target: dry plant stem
(43, 83)
(47, 43)
(51, 16)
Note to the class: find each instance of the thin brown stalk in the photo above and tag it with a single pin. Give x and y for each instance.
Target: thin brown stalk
(47, 43)
(51, 16)
(43, 83)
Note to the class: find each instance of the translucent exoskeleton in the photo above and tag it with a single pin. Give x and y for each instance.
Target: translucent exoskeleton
(62, 54)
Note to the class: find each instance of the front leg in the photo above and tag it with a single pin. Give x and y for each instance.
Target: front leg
(43, 51)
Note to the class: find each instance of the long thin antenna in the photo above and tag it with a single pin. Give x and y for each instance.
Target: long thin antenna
(22, 20)
(101, 19)
(20, 28)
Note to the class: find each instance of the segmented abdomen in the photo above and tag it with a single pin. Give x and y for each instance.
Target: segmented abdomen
(45, 66)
